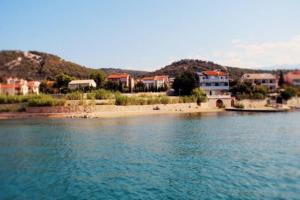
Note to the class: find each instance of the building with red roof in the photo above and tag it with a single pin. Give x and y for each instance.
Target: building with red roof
(293, 78)
(214, 82)
(16, 86)
(124, 79)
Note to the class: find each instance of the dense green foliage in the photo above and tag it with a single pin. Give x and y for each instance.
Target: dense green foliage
(99, 78)
(45, 100)
(288, 93)
(199, 95)
(245, 90)
(75, 96)
(134, 100)
(5, 99)
(185, 82)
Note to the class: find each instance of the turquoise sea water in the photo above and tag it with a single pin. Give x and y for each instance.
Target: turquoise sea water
(214, 156)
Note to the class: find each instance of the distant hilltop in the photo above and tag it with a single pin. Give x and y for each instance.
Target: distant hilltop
(34, 65)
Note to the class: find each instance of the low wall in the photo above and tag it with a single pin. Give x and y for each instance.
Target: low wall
(251, 103)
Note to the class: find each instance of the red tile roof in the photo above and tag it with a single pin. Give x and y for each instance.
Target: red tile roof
(214, 73)
(117, 76)
(9, 86)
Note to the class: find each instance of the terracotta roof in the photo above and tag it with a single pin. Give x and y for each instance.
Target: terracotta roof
(292, 75)
(259, 76)
(117, 76)
(9, 86)
(214, 73)
(149, 78)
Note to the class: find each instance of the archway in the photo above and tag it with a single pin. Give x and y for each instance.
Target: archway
(219, 103)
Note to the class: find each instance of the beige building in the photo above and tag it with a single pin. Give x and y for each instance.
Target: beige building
(265, 79)
(77, 84)
(155, 82)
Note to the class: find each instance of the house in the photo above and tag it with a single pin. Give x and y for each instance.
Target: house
(34, 87)
(14, 89)
(79, 84)
(125, 79)
(265, 79)
(155, 82)
(293, 78)
(214, 82)
(14, 86)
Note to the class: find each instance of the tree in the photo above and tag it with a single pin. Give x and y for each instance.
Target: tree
(185, 82)
(45, 88)
(288, 93)
(281, 80)
(62, 81)
(113, 86)
(200, 95)
(99, 78)
(140, 87)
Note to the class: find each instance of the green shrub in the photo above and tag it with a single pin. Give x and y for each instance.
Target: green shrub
(239, 105)
(199, 95)
(288, 93)
(91, 96)
(75, 96)
(45, 100)
(104, 94)
(121, 100)
(5, 99)
(258, 95)
(165, 100)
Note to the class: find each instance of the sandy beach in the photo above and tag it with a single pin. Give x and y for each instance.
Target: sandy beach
(109, 111)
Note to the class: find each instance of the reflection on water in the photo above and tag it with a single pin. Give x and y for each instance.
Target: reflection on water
(193, 156)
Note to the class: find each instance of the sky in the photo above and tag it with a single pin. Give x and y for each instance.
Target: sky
(149, 34)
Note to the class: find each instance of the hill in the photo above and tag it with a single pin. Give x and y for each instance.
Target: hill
(134, 73)
(200, 65)
(37, 66)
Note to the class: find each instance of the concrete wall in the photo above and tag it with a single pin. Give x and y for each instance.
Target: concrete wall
(251, 103)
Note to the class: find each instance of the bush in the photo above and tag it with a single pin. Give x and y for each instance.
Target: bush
(258, 95)
(104, 94)
(121, 100)
(5, 99)
(91, 96)
(45, 100)
(165, 100)
(239, 105)
(199, 95)
(75, 96)
(288, 93)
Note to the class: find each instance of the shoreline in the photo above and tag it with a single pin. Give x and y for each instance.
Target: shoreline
(114, 112)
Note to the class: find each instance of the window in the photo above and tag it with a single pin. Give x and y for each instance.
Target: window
(207, 84)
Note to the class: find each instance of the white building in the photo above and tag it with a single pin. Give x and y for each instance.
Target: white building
(214, 82)
(266, 79)
(78, 84)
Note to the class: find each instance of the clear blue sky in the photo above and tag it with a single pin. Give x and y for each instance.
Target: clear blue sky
(149, 34)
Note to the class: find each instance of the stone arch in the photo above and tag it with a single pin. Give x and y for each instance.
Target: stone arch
(219, 103)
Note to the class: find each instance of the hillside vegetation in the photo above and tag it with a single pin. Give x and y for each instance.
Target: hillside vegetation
(37, 65)
(199, 65)
(40, 66)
